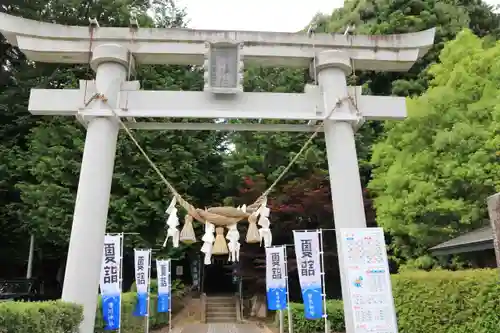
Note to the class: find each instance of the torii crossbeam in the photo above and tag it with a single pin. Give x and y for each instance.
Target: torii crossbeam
(114, 51)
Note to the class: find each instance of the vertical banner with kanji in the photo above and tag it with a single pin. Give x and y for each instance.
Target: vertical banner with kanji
(110, 283)
(164, 287)
(276, 278)
(142, 271)
(307, 251)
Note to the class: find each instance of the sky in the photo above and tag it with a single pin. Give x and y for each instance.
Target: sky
(258, 15)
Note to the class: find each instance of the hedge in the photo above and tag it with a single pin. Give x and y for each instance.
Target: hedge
(129, 322)
(59, 317)
(133, 324)
(426, 302)
(334, 309)
(39, 317)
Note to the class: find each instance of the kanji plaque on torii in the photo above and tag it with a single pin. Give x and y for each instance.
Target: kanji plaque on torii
(223, 54)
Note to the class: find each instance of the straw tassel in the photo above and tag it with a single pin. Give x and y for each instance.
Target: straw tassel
(187, 233)
(253, 235)
(220, 245)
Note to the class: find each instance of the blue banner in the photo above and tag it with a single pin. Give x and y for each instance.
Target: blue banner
(111, 312)
(141, 306)
(276, 298)
(163, 303)
(110, 281)
(313, 303)
(307, 251)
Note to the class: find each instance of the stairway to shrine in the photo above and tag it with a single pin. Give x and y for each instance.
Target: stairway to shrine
(220, 309)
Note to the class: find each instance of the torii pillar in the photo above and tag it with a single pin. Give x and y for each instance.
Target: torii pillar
(110, 63)
(346, 190)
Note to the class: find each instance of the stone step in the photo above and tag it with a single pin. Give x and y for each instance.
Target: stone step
(222, 310)
(221, 320)
(220, 305)
(220, 300)
(221, 314)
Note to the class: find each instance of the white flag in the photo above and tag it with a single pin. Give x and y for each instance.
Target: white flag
(276, 278)
(142, 270)
(110, 281)
(307, 251)
(164, 285)
(110, 271)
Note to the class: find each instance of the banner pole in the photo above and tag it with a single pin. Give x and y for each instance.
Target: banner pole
(282, 319)
(149, 291)
(322, 254)
(289, 309)
(122, 240)
(170, 296)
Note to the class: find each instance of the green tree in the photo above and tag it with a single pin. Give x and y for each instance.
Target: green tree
(402, 16)
(42, 166)
(434, 170)
(261, 156)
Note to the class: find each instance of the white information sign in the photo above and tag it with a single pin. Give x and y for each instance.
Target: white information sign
(367, 269)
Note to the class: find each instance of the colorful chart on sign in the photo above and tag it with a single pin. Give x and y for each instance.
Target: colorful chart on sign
(370, 294)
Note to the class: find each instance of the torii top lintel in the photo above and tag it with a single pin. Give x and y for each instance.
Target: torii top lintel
(47, 42)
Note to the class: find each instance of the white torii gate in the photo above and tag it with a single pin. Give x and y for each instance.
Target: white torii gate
(113, 53)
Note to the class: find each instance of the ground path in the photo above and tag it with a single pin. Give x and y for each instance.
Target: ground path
(217, 328)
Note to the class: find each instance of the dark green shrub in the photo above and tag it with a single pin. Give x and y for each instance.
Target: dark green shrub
(60, 317)
(133, 324)
(129, 322)
(39, 317)
(426, 302)
(334, 309)
(448, 302)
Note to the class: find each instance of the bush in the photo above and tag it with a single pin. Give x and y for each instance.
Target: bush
(58, 317)
(448, 302)
(39, 317)
(334, 309)
(133, 324)
(437, 301)
(129, 322)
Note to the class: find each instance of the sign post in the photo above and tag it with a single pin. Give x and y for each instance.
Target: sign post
(289, 309)
(494, 212)
(323, 275)
(369, 288)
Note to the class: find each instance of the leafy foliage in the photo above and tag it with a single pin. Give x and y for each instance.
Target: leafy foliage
(437, 301)
(402, 16)
(131, 323)
(56, 317)
(435, 169)
(444, 301)
(39, 317)
(42, 155)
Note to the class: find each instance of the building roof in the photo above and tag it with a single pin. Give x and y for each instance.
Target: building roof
(477, 240)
